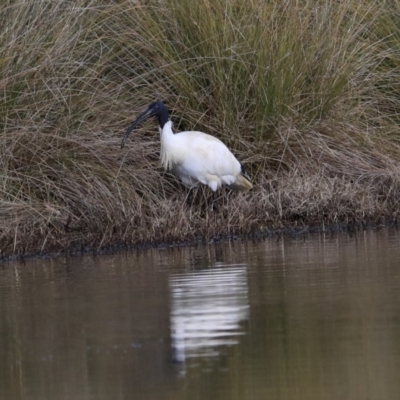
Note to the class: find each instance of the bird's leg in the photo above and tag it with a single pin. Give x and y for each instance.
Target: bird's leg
(215, 205)
(204, 200)
(190, 197)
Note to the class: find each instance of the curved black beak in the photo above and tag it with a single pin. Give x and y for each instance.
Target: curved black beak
(147, 114)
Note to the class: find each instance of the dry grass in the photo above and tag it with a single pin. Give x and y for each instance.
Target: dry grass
(306, 93)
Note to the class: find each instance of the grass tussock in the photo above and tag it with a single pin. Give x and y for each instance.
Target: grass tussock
(306, 94)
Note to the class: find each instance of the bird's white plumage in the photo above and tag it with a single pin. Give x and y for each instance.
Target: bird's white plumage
(196, 157)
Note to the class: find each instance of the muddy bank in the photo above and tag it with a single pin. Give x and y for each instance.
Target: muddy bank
(294, 232)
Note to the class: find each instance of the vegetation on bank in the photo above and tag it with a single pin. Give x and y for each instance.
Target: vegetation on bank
(306, 93)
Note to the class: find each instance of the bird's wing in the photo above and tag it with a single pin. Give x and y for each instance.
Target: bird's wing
(207, 153)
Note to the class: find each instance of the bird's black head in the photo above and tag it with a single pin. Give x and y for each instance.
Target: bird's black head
(156, 109)
(159, 110)
(157, 106)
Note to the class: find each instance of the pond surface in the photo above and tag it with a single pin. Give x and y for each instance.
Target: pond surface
(314, 318)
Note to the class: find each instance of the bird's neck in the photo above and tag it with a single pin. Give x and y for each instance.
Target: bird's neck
(163, 117)
(168, 145)
(167, 134)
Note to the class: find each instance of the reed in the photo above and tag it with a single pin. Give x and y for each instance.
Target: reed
(306, 94)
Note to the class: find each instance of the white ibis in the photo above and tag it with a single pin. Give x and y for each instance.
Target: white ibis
(194, 157)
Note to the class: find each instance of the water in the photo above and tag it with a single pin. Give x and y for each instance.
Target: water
(308, 319)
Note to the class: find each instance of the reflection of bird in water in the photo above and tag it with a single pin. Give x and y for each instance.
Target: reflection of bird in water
(206, 310)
